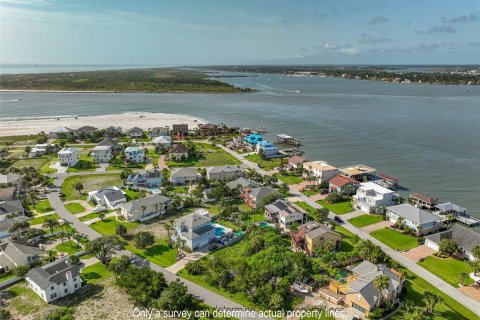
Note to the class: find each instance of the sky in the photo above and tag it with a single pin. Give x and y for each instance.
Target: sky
(215, 32)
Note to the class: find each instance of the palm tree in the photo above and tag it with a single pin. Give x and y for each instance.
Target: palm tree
(462, 276)
(101, 215)
(50, 223)
(143, 210)
(79, 187)
(51, 255)
(381, 283)
(430, 299)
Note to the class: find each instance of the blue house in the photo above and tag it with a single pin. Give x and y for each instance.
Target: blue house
(253, 139)
(267, 149)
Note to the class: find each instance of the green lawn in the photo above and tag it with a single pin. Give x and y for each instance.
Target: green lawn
(90, 216)
(337, 208)
(85, 163)
(74, 207)
(6, 276)
(160, 253)
(309, 192)
(37, 163)
(108, 225)
(69, 247)
(90, 182)
(45, 169)
(23, 139)
(42, 206)
(307, 208)
(267, 165)
(447, 269)
(395, 239)
(289, 178)
(209, 156)
(446, 310)
(24, 300)
(366, 219)
(95, 273)
(347, 243)
(41, 219)
(130, 194)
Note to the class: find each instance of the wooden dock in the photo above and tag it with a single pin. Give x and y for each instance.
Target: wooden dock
(286, 139)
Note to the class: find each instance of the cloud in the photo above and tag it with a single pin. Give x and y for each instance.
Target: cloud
(328, 46)
(346, 49)
(366, 39)
(378, 19)
(432, 46)
(438, 29)
(422, 47)
(461, 19)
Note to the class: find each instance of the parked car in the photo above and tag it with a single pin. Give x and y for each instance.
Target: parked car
(212, 247)
(338, 219)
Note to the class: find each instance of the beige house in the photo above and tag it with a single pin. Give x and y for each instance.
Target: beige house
(359, 172)
(321, 170)
(224, 173)
(178, 152)
(145, 208)
(312, 235)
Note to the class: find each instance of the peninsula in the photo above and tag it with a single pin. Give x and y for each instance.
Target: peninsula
(164, 80)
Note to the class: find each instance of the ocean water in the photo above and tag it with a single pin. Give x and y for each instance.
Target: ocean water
(426, 135)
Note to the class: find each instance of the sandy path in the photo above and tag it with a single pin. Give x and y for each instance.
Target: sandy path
(144, 120)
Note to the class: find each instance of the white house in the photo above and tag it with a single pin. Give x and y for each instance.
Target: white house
(55, 280)
(68, 156)
(195, 229)
(102, 153)
(145, 208)
(14, 253)
(39, 150)
(163, 141)
(285, 213)
(370, 196)
(423, 222)
(321, 170)
(465, 237)
(108, 197)
(134, 154)
(184, 175)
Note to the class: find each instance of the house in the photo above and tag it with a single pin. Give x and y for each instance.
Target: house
(359, 172)
(55, 280)
(6, 224)
(40, 150)
(252, 140)
(102, 154)
(343, 184)
(10, 179)
(135, 132)
(371, 196)
(113, 131)
(58, 133)
(465, 237)
(134, 154)
(7, 193)
(285, 213)
(109, 142)
(243, 183)
(387, 181)
(357, 289)
(180, 129)
(266, 149)
(68, 156)
(423, 201)
(11, 208)
(145, 208)
(107, 197)
(147, 179)
(320, 170)
(312, 235)
(208, 129)
(195, 229)
(85, 131)
(158, 132)
(14, 253)
(255, 197)
(224, 173)
(295, 161)
(163, 141)
(423, 222)
(178, 152)
(184, 176)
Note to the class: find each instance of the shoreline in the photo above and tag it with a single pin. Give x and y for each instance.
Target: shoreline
(144, 120)
(107, 91)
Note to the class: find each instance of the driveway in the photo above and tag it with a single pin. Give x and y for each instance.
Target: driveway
(352, 214)
(179, 265)
(418, 253)
(161, 163)
(377, 226)
(318, 196)
(149, 164)
(102, 167)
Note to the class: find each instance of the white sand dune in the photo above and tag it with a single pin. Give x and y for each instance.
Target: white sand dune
(144, 120)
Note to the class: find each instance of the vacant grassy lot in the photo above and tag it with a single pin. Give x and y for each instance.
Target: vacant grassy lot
(395, 239)
(95, 273)
(347, 242)
(365, 220)
(289, 178)
(447, 269)
(41, 219)
(209, 155)
(69, 247)
(42, 206)
(108, 225)
(160, 253)
(74, 207)
(22, 140)
(337, 208)
(90, 182)
(84, 164)
(265, 164)
(24, 300)
(37, 163)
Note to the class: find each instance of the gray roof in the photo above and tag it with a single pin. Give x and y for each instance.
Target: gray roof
(314, 229)
(148, 201)
(193, 220)
(414, 214)
(111, 194)
(219, 169)
(54, 273)
(10, 206)
(465, 237)
(448, 207)
(284, 207)
(7, 193)
(14, 250)
(261, 192)
(243, 182)
(9, 178)
(183, 172)
(134, 129)
(109, 142)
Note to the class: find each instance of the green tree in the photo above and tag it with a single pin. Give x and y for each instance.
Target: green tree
(101, 215)
(125, 173)
(476, 252)
(5, 314)
(430, 299)
(104, 247)
(462, 276)
(475, 265)
(28, 149)
(144, 239)
(119, 265)
(21, 270)
(79, 187)
(320, 214)
(50, 223)
(73, 260)
(144, 285)
(381, 284)
(121, 230)
(61, 313)
(448, 247)
(19, 227)
(176, 297)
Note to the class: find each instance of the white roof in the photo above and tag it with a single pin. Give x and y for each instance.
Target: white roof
(162, 139)
(68, 151)
(102, 148)
(375, 187)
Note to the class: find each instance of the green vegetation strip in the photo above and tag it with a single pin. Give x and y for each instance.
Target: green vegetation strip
(395, 239)
(69, 247)
(108, 225)
(265, 164)
(159, 253)
(365, 220)
(74, 207)
(289, 179)
(337, 208)
(42, 219)
(42, 206)
(95, 273)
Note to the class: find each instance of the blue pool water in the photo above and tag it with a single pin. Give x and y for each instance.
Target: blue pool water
(219, 231)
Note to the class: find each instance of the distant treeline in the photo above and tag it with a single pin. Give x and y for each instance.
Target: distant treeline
(438, 75)
(131, 80)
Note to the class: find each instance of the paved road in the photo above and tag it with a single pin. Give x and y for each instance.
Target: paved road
(446, 288)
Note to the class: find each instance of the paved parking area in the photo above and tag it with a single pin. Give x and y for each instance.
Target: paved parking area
(418, 253)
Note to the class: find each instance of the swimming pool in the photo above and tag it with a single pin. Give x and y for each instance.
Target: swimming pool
(220, 230)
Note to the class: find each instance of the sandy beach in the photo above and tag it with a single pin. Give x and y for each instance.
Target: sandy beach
(144, 120)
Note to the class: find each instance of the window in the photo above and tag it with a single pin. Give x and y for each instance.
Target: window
(52, 288)
(66, 290)
(76, 285)
(64, 284)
